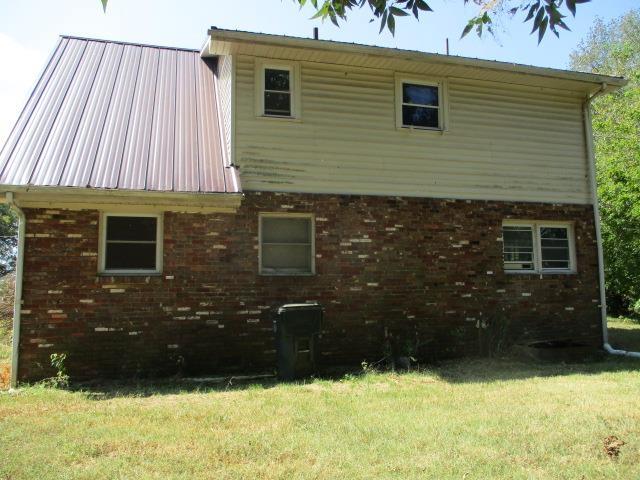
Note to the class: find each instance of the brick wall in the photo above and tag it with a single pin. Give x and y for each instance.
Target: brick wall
(409, 268)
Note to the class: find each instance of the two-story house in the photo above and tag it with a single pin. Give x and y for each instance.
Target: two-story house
(171, 200)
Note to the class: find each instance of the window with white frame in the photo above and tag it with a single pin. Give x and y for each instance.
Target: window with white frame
(286, 244)
(538, 247)
(277, 90)
(420, 104)
(131, 243)
(518, 247)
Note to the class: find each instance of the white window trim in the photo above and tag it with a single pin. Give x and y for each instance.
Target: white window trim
(311, 217)
(536, 225)
(102, 244)
(294, 84)
(443, 103)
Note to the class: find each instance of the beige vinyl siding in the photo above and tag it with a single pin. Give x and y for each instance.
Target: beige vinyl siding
(225, 79)
(504, 141)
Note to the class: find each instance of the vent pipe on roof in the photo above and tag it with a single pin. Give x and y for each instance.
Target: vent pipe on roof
(316, 33)
(447, 44)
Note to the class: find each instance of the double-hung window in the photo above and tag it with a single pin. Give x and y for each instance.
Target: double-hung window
(286, 244)
(277, 90)
(539, 247)
(420, 104)
(131, 244)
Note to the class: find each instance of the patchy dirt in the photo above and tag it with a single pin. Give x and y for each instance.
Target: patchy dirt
(5, 376)
(612, 446)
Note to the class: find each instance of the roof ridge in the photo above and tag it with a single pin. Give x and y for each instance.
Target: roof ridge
(135, 44)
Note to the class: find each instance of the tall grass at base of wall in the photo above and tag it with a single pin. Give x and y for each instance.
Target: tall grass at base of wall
(6, 318)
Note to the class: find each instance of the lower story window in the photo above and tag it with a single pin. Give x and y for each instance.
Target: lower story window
(286, 244)
(131, 243)
(538, 247)
(555, 248)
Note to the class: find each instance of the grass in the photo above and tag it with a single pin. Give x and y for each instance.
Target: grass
(623, 333)
(473, 419)
(6, 314)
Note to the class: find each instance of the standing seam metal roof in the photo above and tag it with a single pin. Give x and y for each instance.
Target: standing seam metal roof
(114, 115)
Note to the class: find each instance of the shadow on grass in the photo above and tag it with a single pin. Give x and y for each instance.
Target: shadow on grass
(624, 334)
(480, 370)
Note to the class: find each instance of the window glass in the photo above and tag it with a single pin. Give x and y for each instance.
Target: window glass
(296, 258)
(518, 247)
(277, 92)
(286, 245)
(420, 106)
(132, 228)
(420, 94)
(130, 243)
(286, 230)
(130, 256)
(277, 80)
(554, 247)
(420, 116)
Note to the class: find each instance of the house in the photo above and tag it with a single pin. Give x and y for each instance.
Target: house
(171, 200)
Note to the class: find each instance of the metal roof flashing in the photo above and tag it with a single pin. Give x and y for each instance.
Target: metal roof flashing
(240, 37)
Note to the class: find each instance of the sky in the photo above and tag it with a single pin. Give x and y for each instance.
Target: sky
(29, 31)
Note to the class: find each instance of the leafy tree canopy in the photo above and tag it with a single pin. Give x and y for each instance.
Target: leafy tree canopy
(614, 49)
(544, 15)
(8, 239)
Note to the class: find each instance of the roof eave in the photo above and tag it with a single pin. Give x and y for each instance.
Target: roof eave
(77, 198)
(597, 80)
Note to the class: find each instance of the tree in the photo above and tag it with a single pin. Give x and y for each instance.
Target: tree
(614, 49)
(8, 240)
(544, 15)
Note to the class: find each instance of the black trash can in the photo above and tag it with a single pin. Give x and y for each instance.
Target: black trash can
(297, 328)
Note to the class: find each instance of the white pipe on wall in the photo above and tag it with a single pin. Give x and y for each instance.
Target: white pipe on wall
(596, 212)
(17, 303)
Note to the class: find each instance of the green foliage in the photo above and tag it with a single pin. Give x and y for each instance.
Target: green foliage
(542, 13)
(61, 379)
(8, 239)
(614, 48)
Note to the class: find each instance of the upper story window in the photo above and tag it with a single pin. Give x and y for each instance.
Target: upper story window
(286, 244)
(131, 244)
(277, 90)
(538, 247)
(420, 104)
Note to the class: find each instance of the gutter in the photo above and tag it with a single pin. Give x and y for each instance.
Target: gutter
(17, 303)
(596, 212)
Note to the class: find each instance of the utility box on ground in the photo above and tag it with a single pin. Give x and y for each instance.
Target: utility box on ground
(297, 328)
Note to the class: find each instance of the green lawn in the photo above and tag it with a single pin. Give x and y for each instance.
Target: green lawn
(475, 419)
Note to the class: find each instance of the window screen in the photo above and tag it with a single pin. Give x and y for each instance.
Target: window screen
(286, 245)
(277, 92)
(420, 106)
(554, 248)
(131, 243)
(518, 247)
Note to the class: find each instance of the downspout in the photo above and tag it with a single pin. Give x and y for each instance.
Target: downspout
(17, 303)
(596, 212)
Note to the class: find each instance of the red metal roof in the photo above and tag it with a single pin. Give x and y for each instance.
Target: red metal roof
(113, 115)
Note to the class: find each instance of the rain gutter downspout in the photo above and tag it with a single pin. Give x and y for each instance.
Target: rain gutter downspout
(596, 212)
(17, 304)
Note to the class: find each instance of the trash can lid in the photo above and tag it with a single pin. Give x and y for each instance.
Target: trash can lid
(300, 306)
